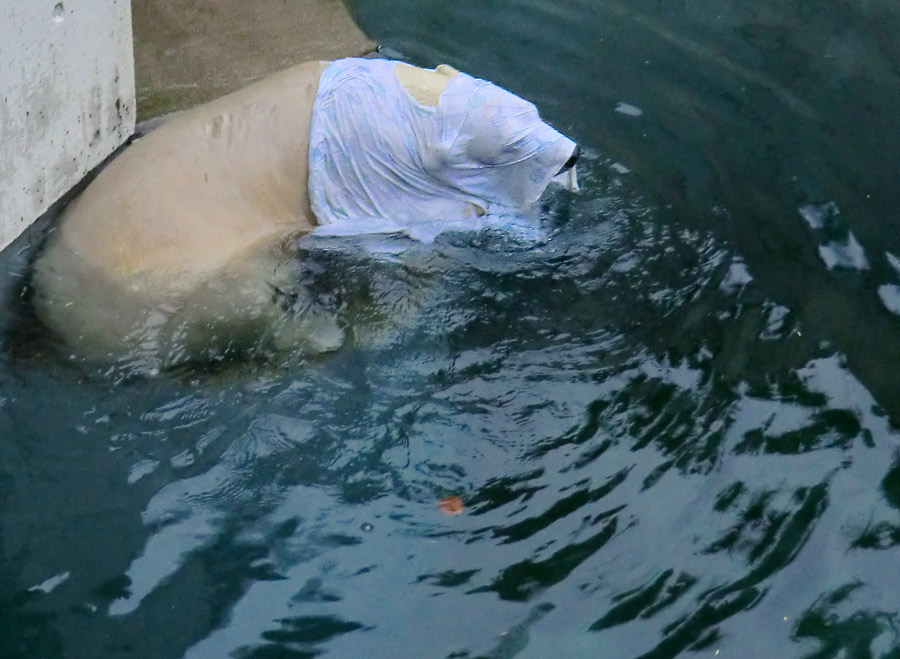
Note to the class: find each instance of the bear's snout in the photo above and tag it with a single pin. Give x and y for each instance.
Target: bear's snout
(570, 163)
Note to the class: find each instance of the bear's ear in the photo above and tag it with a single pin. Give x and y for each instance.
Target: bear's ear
(446, 70)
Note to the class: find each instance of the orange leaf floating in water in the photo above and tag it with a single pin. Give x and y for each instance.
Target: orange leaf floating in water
(451, 505)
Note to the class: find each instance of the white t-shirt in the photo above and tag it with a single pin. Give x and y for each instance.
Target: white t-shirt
(377, 153)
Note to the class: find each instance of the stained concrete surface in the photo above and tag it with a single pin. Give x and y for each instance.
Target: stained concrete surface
(66, 99)
(191, 51)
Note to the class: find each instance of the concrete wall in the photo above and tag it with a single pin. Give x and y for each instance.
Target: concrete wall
(66, 99)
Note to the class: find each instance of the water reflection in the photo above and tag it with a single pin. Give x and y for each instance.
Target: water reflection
(749, 112)
(643, 461)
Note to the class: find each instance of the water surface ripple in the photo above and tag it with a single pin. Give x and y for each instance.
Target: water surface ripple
(670, 419)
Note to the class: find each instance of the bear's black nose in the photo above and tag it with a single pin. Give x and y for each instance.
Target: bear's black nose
(570, 163)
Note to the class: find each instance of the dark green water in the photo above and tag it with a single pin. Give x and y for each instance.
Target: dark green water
(672, 422)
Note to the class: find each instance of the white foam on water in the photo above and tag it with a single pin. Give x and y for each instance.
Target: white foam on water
(572, 180)
(737, 277)
(848, 254)
(890, 298)
(567, 179)
(141, 469)
(50, 584)
(426, 231)
(816, 214)
(894, 261)
(775, 323)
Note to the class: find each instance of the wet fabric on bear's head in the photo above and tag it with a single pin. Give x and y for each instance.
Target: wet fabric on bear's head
(376, 152)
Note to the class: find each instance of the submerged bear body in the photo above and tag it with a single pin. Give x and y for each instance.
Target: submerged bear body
(177, 250)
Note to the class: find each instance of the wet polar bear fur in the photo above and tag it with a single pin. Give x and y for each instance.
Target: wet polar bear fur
(174, 253)
(183, 228)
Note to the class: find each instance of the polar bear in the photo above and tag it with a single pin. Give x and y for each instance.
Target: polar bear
(173, 252)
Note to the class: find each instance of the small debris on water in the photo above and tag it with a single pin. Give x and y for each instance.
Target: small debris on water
(452, 505)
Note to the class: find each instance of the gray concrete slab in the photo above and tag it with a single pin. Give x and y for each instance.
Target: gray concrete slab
(191, 51)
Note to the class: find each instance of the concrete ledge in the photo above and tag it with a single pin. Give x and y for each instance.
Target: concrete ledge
(66, 99)
(188, 52)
